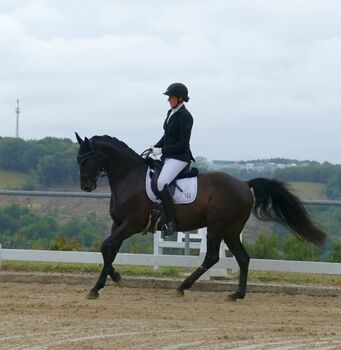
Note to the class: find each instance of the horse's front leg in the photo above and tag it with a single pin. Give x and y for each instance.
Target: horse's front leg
(109, 250)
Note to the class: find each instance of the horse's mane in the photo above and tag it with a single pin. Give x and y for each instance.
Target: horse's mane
(118, 144)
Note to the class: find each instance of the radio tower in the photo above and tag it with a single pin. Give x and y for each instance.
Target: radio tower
(17, 110)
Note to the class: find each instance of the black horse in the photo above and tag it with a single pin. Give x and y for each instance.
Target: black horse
(223, 205)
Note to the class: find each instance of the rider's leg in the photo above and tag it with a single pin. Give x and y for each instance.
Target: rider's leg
(170, 169)
(169, 211)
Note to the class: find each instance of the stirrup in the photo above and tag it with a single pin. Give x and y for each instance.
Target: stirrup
(168, 230)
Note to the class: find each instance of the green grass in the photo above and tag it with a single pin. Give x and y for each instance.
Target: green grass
(308, 190)
(171, 272)
(12, 179)
(22, 266)
(296, 278)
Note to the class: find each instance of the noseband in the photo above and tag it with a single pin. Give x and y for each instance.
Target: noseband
(101, 171)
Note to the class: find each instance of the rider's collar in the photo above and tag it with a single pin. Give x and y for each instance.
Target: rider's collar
(177, 107)
(174, 110)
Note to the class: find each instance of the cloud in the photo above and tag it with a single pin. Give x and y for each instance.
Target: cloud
(263, 76)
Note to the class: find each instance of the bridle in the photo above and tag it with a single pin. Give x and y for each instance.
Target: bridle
(101, 170)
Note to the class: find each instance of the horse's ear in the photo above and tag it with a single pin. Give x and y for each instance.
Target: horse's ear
(87, 142)
(79, 139)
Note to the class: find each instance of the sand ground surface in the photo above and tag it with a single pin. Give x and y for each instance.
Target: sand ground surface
(58, 316)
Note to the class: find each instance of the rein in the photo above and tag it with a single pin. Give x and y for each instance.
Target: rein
(145, 154)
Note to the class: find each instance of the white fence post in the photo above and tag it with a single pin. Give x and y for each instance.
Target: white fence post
(159, 244)
(203, 247)
(183, 241)
(157, 249)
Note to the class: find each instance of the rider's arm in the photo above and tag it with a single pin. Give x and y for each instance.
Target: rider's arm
(160, 143)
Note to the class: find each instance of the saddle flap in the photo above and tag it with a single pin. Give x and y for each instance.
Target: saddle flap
(184, 191)
(188, 172)
(155, 170)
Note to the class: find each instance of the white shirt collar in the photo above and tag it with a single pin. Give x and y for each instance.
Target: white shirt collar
(173, 110)
(177, 108)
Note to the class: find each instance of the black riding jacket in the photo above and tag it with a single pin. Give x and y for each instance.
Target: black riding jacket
(177, 134)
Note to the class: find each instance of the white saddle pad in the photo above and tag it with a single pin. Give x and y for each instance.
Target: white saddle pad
(187, 194)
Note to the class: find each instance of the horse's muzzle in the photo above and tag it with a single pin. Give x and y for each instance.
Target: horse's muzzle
(88, 187)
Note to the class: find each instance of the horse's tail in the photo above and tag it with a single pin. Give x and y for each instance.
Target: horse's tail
(274, 202)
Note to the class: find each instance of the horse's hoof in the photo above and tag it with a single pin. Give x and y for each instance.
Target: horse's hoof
(235, 296)
(116, 277)
(232, 297)
(180, 293)
(119, 283)
(92, 295)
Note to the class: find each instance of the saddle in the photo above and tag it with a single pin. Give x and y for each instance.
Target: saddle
(185, 195)
(156, 167)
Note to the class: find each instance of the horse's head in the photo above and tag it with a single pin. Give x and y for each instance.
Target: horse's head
(90, 164)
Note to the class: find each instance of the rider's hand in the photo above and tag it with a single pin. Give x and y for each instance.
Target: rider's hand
(156, 151)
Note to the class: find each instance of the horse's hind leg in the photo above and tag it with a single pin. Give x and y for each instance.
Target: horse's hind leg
(211, 258)
(243, 260)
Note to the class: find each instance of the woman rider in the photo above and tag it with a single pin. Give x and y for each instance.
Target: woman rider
(174, 148)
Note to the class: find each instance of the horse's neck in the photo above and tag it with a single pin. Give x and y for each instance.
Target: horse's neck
(118, 164)
(132, 176)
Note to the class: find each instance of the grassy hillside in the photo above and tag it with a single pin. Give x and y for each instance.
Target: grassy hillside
(66, 208)
(12, 179)
(308, 190)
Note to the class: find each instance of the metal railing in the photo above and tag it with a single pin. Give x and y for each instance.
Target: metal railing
(108, 194)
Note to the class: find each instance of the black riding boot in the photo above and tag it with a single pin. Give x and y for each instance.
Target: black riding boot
(168, 208)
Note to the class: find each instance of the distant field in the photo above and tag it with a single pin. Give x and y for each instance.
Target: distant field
(76, 207)
(304, 190)
(12, 179)
(308, 190)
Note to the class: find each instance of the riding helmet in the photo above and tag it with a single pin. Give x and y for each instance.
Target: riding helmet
(177, 89)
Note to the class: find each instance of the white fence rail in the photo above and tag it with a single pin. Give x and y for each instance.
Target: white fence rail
(168, 260)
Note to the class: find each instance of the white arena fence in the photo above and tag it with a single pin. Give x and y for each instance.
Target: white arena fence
(184, 240)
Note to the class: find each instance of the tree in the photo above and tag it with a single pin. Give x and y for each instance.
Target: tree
(64, 243)
(12, 150)
(47, 170)
(24, 228)
(296, 249)
(335, 255)
(265, 247)
(49, 161)
(202, 164)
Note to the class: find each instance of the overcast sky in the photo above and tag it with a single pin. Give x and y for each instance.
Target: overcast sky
(264, 76)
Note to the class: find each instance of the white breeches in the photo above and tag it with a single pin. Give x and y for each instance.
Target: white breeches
(171, 168)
